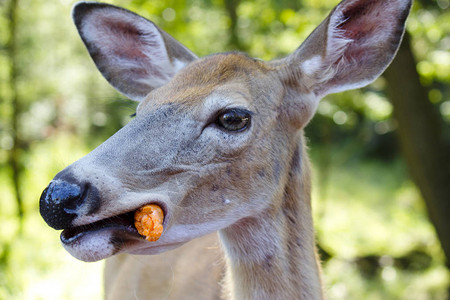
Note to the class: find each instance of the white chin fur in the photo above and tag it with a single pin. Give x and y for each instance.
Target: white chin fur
(98, 245)
(91, 247)
(95, 246)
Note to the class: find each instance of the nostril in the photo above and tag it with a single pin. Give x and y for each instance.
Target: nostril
(59, 203)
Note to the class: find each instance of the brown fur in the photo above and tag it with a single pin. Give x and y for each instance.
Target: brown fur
(191, 85)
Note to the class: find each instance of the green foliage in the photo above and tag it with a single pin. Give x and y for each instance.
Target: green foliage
(370, 218)
(372, 225)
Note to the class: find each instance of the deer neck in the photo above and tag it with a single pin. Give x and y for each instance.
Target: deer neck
(273, 255)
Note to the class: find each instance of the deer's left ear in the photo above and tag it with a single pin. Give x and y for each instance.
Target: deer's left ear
(351, 47)
(131, 52)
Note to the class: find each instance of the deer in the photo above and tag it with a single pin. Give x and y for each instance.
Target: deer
(218, 143)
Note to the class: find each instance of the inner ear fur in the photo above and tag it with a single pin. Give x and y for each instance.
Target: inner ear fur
(131, 52)
(351, 47)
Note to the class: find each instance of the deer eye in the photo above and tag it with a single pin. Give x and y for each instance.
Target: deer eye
(234, 119)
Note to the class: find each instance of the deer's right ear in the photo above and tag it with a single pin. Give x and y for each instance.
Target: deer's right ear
(351, 47)
(131, 52)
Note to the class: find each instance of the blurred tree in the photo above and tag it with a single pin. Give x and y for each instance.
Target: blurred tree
(15, 160)
(231, 8)
(421, 139)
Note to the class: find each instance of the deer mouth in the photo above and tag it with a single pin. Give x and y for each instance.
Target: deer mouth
(123, 223)
(104, 238)
(122, 226)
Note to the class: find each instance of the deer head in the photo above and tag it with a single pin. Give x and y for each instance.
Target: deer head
(214, 138)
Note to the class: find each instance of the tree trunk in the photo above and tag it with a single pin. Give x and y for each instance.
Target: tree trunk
(421, 139)
(231, 9)
(14, 153)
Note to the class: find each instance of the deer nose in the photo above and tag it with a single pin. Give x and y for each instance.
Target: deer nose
(59, 203)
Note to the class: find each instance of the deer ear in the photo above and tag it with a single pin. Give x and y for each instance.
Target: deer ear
(351, 47)
(131, 52)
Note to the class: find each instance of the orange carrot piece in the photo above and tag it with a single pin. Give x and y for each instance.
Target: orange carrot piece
(149, 221)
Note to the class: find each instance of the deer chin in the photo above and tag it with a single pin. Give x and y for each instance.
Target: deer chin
(104, 238)
(93, 245)
(96, 245)
(101, 239)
